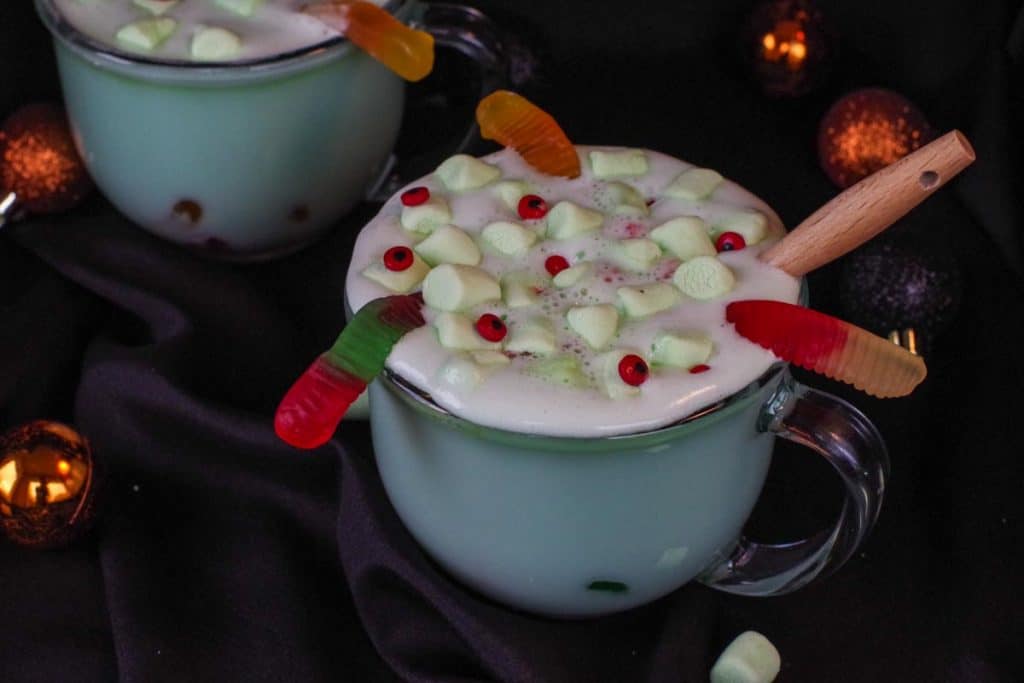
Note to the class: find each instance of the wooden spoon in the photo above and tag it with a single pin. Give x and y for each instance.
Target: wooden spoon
(862, 211)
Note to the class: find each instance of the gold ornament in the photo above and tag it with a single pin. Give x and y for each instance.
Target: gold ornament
(47, 484)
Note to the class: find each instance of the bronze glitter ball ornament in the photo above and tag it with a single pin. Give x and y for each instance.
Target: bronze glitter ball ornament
(788, 46)
(47, 485)
(866, 130)
(40, 169)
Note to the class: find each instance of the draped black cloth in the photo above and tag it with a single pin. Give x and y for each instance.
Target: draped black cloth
(223, 555)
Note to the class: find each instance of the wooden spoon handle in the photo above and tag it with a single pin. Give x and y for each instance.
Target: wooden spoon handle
(862, 211)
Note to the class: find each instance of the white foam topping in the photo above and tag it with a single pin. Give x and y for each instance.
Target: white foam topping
(263, 28)
(563, 388)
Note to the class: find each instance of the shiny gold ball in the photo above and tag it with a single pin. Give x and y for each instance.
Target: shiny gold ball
(47, 484)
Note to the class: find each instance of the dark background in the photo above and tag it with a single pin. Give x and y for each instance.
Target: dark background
(223, 555)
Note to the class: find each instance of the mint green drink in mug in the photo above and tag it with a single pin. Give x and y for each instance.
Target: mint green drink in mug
(247, 129)
(576, 429)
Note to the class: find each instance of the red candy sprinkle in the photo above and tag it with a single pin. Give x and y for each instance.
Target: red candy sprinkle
(633, 370)
(697, 369)
(398, 258)
(415, 196)
(531, 206)
(491, 327)
(730, 241)
(555, 264)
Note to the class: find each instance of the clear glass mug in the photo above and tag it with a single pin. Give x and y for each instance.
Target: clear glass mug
(579, 527)
(252, 160)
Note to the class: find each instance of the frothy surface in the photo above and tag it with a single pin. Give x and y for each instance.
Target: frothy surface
(275, 26)
(512, 396)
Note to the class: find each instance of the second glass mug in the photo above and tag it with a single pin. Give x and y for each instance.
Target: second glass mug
(253, 160)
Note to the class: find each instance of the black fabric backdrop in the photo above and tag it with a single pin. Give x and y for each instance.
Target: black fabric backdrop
(223, 555)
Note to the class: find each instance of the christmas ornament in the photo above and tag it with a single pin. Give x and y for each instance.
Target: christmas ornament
(867, 130)
(828, 346)
(47, 485)
(788, 46)
(40, 170)
(896, 284)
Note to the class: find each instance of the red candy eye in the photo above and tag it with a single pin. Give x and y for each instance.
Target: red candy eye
(555, 264)
(633, 370)
(415, 196)
(491, 327)
(531, 206)
(398, 258)
(730, 241)
(697, 369)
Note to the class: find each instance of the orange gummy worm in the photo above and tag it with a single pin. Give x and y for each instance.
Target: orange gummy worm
(406, 51)
(513, 121)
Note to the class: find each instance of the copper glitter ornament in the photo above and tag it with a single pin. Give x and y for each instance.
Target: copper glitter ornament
(40, 169)
(866, 131)
(47, 485)
(788, 46)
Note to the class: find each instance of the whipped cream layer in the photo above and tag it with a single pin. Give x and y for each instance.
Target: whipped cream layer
(262, 28)
(531, 391)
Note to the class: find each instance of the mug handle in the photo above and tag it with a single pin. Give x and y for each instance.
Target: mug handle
(841, 434)
(472, 33)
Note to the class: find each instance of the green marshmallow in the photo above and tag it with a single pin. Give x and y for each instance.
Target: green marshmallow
(155, 7)
(426, 217)
(146, 35)
(456, 331)
(681, 349)
(242, 7)
(753, 225)
(461, 373)
(750, 658)
(510, 239)
(629, 162)
(448, 244)
(684, 237)
(451, 287)
(213, 44)
(567, 220)
(645, 300)
(608, 374)
(637, 254)
(623, 200)
(694, 184)
(398, 281)
(519, 288)
(510, 192)
(562, 369)
(596, 324)
(569, 277)
(536, 336)
(463, 172)
(704, 277)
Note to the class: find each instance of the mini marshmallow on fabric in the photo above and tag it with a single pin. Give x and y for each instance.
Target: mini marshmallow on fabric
(750, 658)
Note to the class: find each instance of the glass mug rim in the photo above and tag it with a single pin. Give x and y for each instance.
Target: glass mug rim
(110, 56)
(423, 404)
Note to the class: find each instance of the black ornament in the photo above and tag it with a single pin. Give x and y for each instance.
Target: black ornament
(893, 284)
